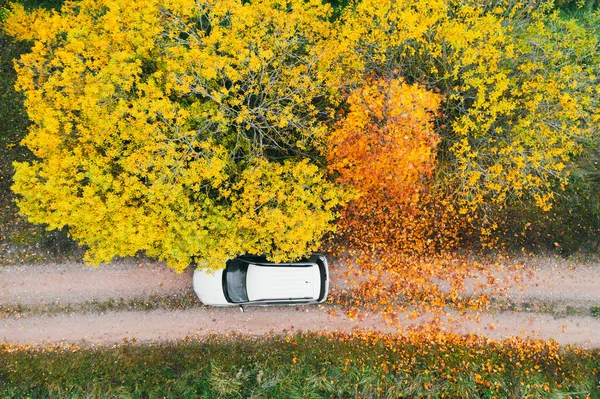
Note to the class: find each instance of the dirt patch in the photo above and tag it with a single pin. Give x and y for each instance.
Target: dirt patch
(78, 283)
(113, 327)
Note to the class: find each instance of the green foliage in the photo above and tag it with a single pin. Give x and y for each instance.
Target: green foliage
(36, 4)
(302, 365)
(577, 6)
(338, 6)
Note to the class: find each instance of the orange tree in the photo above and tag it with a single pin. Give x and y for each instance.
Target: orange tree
(385, 148)
(189, 130)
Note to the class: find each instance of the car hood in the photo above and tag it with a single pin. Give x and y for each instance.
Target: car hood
(209, 287)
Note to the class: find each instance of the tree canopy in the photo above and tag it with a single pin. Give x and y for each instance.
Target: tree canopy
(519, 84)
(499, 101)
(197, 130)
(190, 130)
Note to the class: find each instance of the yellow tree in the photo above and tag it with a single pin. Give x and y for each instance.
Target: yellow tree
(189, 130)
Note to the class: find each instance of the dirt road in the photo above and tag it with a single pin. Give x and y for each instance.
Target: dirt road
(570, 285)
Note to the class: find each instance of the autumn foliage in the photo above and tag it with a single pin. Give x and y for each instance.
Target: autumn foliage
(194, 131)
(385, 149)
(385, 146)
(510, 119)
(180, 129)
(520, 98)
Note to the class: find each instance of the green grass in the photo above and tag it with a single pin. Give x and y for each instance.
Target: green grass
(303, 366)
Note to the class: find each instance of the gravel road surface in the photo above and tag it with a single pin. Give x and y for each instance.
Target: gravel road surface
(569, 283)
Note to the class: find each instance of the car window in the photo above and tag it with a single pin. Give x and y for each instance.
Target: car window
(323, 274)
(234, 281)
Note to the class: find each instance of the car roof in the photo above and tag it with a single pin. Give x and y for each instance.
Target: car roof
(290, 281)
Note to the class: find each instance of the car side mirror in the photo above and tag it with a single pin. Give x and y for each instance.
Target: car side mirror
(242, 309)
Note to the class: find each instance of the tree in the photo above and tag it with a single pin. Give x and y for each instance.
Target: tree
(519, 102)
(532, 106)
(519, 84)
(190, 130)
(385, 145)
(385, 148)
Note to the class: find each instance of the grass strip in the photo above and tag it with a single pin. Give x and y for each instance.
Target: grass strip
(306, 365)
(153, 302)
(555, 308)
(559, 309)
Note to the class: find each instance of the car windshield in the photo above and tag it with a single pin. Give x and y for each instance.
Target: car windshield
(234, 282)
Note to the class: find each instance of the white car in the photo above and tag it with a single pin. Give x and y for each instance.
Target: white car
(252, 280)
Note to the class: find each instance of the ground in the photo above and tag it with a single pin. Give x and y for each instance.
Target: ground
(145, 301)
